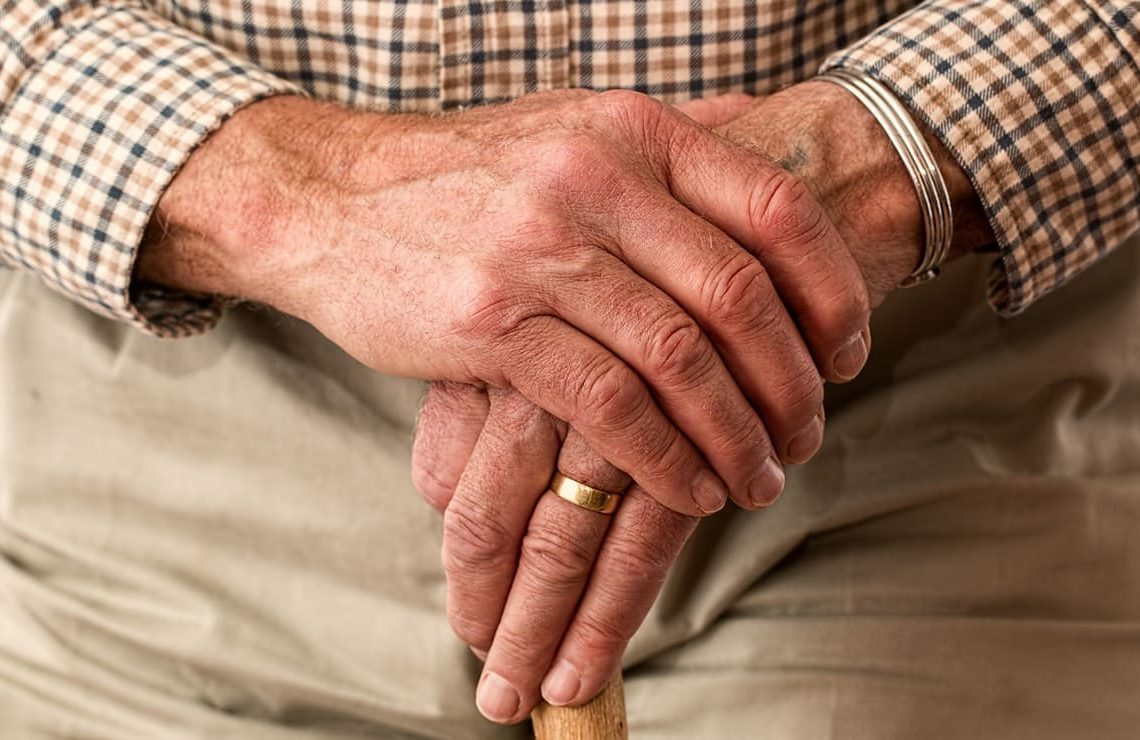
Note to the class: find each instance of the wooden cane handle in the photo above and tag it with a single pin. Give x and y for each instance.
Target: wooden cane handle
(602, 719)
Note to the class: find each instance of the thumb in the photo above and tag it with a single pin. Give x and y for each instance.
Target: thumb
(718, 110)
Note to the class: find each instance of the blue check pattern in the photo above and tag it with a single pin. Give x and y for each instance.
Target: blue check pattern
(1040, 104)
(101, 103)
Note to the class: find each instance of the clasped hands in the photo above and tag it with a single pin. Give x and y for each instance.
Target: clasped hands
(601, 284)
(739, 315)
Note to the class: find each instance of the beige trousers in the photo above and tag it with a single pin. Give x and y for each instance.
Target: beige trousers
(217, 538)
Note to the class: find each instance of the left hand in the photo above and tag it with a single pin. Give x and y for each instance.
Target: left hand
(518, 561)
(580, 585)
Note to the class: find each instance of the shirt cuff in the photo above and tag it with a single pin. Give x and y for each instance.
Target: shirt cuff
(1038, 102)
(94, 131)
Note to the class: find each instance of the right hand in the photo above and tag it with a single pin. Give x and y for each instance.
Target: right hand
(550, 591)
(584, 249)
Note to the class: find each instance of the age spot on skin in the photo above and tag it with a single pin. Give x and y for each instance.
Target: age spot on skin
(795, 161)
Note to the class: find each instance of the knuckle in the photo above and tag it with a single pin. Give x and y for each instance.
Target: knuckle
(645, 119)
(752, 303)
(490, 309)
(672, 460)
(608, 393)
(516, 648)
(630, 105)
(494, 309)
(521, 424)
(604, 631)
(582, 264)
(569, 157)
(473, 543)
(800, 396)
(745, 440)
(684, 142)
(677, 349)
(555, 558)
(643, 560)
(785, 210)
(740, 290)
(448, 393)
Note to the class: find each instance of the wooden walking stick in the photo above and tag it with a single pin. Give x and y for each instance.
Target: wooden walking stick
(601, 719)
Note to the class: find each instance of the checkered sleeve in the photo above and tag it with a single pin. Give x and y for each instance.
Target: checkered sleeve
(100, 103)
(1040, 104)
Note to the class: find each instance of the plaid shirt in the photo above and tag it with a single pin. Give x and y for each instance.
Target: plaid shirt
(101, 102)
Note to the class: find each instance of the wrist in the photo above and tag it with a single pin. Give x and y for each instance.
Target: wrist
(825, 136)
(233, 220)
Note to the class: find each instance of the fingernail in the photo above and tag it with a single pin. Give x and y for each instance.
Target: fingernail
(849, 360)
(806, 442)
(561, 685)
(709, 493)
(497, 699)
(765, 488)
(480, 654)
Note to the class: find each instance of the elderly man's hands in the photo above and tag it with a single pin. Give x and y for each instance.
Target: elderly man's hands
(578, 592)
(530, 576)
(582, 249)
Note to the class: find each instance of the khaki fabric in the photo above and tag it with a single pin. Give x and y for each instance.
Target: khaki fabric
(217, 538)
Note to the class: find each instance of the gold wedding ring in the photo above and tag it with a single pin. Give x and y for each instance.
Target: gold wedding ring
(587, 497)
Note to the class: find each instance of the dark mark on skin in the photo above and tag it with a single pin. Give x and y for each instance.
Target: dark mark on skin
(795, 161)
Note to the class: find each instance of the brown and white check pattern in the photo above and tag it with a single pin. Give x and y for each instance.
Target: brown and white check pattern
(101, 102)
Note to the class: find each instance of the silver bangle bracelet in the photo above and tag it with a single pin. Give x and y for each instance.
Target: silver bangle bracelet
(907, 139)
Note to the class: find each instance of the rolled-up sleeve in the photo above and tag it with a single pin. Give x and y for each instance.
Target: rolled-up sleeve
(100, 104)
(1040, 104)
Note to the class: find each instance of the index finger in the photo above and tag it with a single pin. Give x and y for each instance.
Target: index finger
(450, 419)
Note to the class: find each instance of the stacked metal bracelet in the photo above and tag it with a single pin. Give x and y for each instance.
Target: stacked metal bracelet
(907, 139)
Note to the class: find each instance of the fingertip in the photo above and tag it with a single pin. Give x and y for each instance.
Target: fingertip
(562, 684)
(497, 700)
(851, 356)
(709, 493)
(767, 485)
(594, 680)
(806, 442)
